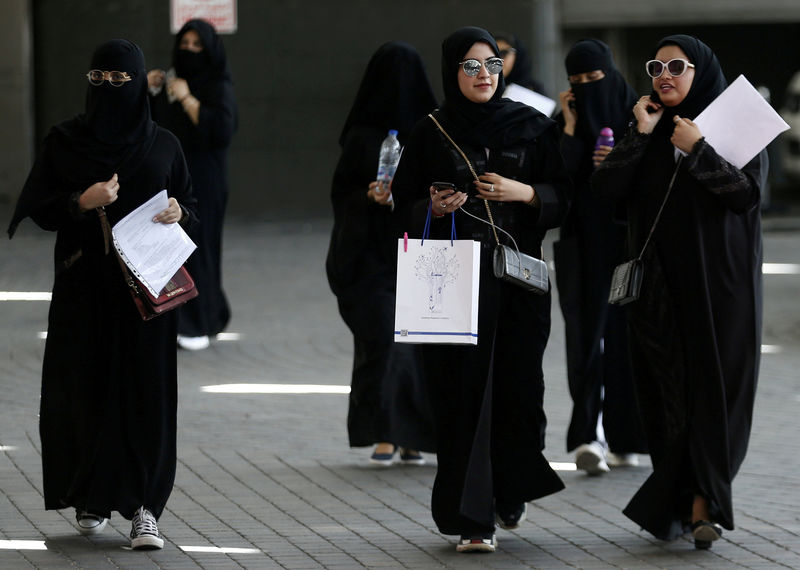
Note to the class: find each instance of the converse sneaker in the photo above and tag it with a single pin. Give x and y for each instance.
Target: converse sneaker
(144, 531)
(477, 543)
(591, 457)
(89, 523)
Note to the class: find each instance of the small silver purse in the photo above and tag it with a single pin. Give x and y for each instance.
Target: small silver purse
(521, 269)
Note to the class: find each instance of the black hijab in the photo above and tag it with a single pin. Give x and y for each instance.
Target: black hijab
(394, 93)
(522, 72)
(708, 82)
(209, 65)
(113, 135)
(498, 123)
(606, 102)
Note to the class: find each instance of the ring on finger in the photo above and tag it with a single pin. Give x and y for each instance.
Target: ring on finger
(443, 205)
(491, 188)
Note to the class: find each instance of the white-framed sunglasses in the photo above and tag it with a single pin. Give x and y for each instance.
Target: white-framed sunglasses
(676, 67)
(472, 67)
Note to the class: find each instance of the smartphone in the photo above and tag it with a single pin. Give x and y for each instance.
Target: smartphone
(444, 186)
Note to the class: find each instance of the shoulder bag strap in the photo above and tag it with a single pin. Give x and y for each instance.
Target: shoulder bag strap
(661, 209)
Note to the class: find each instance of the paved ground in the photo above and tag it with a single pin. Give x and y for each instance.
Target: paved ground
(267, 480)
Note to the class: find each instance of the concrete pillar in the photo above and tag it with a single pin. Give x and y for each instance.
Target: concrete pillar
(16, 102)
(546, 44)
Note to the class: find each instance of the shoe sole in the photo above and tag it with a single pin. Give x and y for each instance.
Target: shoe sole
(89, 531)
(382, 462)
(147, 542)
(419, 461)
(705, 534)
(479, 547)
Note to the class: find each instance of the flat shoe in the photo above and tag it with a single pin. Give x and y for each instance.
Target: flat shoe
(704, 533)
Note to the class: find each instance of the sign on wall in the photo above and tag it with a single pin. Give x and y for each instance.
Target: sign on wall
(220, 13)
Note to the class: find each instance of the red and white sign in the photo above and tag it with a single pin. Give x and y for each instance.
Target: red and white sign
(220, 13)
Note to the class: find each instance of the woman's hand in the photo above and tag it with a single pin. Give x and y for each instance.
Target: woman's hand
(600, 154)
(380, 196)
(498, 189)
(155, 78)
(172, 214)
(178, 88)
(567, 98)
(685, 135)
(647, 113)
(446, 200)
(99, 194)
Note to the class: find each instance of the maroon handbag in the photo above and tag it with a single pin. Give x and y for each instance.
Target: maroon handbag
(178, 290)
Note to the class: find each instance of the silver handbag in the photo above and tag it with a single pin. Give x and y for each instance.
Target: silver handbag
(626, 282)
(521, 269)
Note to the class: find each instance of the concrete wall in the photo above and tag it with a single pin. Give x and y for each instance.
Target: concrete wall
(16, 127)
(297, 65)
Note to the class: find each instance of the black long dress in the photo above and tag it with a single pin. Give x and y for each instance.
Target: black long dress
(387, 399)
(109, 379)
(695, 332)
(205, 146)
(487, 399)
(591, 243)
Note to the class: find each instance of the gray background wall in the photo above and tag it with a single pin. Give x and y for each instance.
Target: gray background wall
(297, 65)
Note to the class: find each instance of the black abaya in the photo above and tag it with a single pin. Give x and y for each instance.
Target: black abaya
(109, 380)
(487, 399)
(387, 398)
(205, 146)
(696, 329)
(591, 244)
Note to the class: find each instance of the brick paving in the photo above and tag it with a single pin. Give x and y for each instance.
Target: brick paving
(268, 481)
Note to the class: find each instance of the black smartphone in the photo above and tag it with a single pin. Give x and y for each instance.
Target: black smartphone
(440, 186)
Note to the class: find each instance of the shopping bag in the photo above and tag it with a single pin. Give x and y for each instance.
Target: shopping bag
(436, 298)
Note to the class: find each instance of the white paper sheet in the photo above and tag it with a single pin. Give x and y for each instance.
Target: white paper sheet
(152, 251)
(532, 98)
(740, 123)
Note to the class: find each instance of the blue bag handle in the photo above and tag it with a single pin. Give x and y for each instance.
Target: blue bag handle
(426, 231)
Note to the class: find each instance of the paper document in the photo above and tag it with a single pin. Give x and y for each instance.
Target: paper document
(740, 123)
(152, 251)
(531, 98)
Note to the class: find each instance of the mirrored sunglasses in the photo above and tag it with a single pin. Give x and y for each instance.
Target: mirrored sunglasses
(115, 78)
(472, 67)
(676, 67)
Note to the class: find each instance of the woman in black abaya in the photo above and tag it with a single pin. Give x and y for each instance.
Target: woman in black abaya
(109, 379)
(590, 245)
(198, 105)
(487, 399)
(387, 402)
(695, 332)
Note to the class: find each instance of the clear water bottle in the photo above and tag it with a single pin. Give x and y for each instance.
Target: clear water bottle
(606, 137)
(387, 162)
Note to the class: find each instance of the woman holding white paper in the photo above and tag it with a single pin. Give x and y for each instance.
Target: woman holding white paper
(487, 399)
(695, 331)
(109, 379)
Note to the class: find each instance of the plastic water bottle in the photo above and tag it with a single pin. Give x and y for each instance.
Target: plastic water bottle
(606, 138)
(387, 162)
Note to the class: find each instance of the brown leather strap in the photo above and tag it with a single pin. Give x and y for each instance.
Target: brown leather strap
(108, 237)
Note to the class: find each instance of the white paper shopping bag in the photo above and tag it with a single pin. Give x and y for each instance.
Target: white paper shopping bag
(437, 291)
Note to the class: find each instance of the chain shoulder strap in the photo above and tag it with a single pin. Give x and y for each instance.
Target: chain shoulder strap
(472, 170)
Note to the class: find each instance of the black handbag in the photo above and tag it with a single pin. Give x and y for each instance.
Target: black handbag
(626, 281)
(508, 264)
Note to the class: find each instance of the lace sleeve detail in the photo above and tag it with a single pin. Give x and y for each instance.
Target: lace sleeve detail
(715, 173)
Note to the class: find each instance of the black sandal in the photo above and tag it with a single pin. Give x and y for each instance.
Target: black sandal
(704, 533)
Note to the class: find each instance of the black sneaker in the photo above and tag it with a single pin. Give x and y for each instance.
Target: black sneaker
(477, 543)
(510, 518)
(144, 531)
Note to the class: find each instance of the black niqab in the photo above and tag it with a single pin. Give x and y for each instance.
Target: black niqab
(113, 135)
(394, 92)
(498, 123)
(522, 72)
(209, 65)
(708, 82)
(607, 102)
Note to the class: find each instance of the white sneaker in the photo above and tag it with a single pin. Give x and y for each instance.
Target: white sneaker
(478, 543)
(622, 459)
(591, 457)
(193, 342)
(88, 523)
(144, 531)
